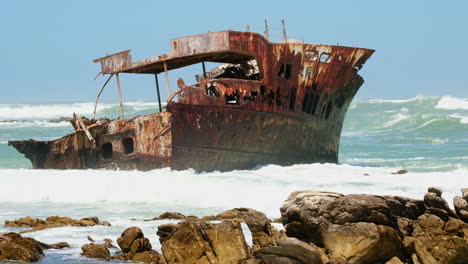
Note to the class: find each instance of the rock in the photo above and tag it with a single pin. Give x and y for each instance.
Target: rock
(304, 212)
(456, 226)
(172, 215)
(437, 241)
(164, 231)
(17, 248)
(432, 200)
(361, 242)
(203, 242)
(394, 260)
(428, 223)
(441, 213)
(58, 245)
(434, 249)
(227, 240)
(437, 191)
(337, 261)
(256, 220)
(251, 260)
(169, 215)
(132, 241)
(405, 226)
(464, 192)
(150, 256)
(53, 221)
(461, 208)
(98, 251)
(191, 218)
(263, 233)
(400, 172)
(136, 247)
(108, 242)
(208, 218)
(292, 248)
(275, 259)
(90, 239)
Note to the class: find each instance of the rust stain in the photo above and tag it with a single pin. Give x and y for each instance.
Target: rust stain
(280, 103)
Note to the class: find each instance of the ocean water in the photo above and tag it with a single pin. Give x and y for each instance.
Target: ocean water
(428, 136)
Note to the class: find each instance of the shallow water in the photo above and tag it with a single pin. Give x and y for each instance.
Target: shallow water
(424, 135)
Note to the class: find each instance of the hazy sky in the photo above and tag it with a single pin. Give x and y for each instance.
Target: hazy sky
(48, 46)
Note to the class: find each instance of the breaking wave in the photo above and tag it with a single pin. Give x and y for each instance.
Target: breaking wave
(397, 101)
(452, 103)
(34, 123)
(16, 112)
(264, 188)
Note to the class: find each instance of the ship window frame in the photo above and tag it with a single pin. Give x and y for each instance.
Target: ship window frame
(326, 57)
(310, 55)
(128, 145)
(106, 151)
(251, 57)
(288, 71)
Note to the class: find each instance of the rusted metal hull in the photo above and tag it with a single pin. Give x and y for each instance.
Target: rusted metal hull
(274, 103)
(217, 138)
(201, 137)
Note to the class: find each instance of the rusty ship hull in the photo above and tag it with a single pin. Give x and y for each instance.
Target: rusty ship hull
(270, 103)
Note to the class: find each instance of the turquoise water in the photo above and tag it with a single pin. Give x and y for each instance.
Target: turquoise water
(425, 135)
(418, 134)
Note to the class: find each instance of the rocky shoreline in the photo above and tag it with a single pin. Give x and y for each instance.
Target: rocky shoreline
(319, 227)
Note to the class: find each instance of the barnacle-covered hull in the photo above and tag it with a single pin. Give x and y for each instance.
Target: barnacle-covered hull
(270, 103)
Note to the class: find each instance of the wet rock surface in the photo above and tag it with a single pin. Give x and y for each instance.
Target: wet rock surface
(136, 247)
(361, 228)
(203, 242)
(320, 227)
(98, 251)
(53, 221)
(263, 233)
(14, 247)
(133, 244)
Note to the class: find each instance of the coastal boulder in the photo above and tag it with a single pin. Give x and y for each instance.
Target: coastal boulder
(132, 241)
(98, 251)
(290, 250)
(168, 215)
(136, 247)
(437, 241)
(203, 242)
(304, 212)
(263, 233)
(150, 256)
(361, 243)
(437, 205)
(461, 208)
(165, 230)
(17, 248)
(53, 221)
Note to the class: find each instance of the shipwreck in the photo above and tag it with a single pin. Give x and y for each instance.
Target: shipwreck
(266, 103)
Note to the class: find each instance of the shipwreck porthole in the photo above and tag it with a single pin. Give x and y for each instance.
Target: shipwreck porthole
(106, 150)
(128, 145)
(325, 58)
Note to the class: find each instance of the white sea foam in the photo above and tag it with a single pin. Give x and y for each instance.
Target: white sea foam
(452, 103)
(396, 118)
(397, 101)
(263, 189)
(32, 111)
(463, 119)
(423, 125)
(439, 141)
(35, 123)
